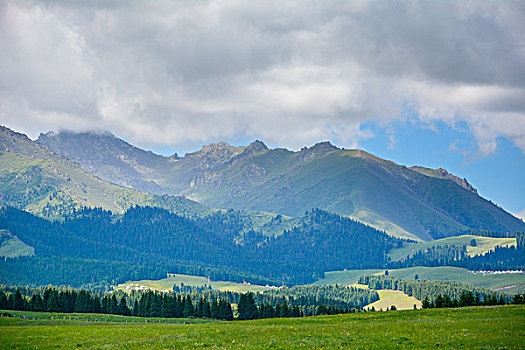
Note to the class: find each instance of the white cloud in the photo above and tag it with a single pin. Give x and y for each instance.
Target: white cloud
(290, 73)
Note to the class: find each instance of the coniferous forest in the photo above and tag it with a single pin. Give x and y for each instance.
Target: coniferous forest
(148, 242)
(210, 304)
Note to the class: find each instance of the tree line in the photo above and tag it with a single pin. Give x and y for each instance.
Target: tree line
(155, 304)
(249, 310)
(149, 304)
(469, 298)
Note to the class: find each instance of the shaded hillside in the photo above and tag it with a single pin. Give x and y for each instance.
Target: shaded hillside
(163, 241)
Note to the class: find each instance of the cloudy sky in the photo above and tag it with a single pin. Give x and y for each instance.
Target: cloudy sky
(435, 83)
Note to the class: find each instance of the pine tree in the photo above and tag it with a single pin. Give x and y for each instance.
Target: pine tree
(36, 303)
(214, 309)
(18, 301)
(3, 301)
(246, 308)
(52, 302)
(188, 310)
(206, 313)
(123, 307)
(114, 309)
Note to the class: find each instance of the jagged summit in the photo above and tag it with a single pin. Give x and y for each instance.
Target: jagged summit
(213, 153)
(222, 152)
(324, 146)
(257, 146)
(444, 174)
(5, 130)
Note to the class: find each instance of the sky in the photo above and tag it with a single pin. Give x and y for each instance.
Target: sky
(433, 83)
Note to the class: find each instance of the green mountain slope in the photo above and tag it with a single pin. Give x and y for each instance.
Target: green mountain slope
(418, 203)
(36, 179)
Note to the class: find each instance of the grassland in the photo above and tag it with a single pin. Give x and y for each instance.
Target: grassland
(483, 245)
(442, 273)
(388, 298)
(177, 279)
(12, 247)
(497, 327)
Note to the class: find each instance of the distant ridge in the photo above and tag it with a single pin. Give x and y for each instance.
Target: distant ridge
(416, 202)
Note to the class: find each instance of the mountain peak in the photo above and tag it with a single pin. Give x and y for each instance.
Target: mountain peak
(7, 131)
(444, 174)
(256, 146)
(319, 149)
(324, 146)
(216, 146)
(216, 153)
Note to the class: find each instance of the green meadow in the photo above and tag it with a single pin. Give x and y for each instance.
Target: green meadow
(195, 281)
(483, 245)
(508, 283)
(478, 327)
(397, 298)
(12, 247)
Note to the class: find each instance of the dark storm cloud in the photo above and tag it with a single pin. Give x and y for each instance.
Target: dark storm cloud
(291, 73)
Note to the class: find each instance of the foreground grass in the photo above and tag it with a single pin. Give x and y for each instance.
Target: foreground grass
(496, 327)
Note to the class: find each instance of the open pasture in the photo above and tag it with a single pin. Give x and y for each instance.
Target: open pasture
(483, 245)
(507, 283)
(478, 327)
(196, 281)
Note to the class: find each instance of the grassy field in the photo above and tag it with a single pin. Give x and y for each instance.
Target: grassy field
(167, 283)
(12, 247)
(483, 245)
(497, 327)
(388, 298)
(442, 273)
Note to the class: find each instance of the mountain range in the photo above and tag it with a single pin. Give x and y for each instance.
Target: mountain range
(416, 202)
(89, 209)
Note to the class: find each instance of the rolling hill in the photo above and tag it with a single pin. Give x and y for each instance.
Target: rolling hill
(507, 283)
(483, 245)
(418, 203)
